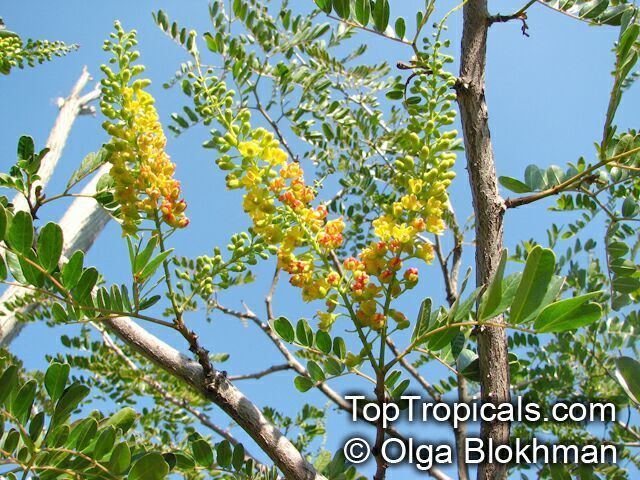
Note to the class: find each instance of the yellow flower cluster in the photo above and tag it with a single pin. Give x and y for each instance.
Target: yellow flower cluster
(280, 205)
(141, 169)
(418, 211)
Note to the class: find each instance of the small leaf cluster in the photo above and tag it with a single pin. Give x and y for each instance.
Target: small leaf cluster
(14, 52)
(205, 275)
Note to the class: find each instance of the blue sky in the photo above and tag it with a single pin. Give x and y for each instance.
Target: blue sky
(547, 96)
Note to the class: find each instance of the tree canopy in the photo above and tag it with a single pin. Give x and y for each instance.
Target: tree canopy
(342, 168)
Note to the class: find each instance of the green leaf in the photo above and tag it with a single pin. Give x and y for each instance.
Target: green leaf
(303, 384)
(534, 177)
(339, 348)
(568, 314)
(11, 441)
(142, 258)
(32, 274)
(58, 313)
(3, 222)
(628, 373)
(149, 302)
(536, 277)
(36, 425)
(324, 5)
(20, 234)
(381, 15)
(626, 284)
(122, 419)
(55, 379)
(554, 289)
(323, 341)
(333, 367)
(401, 27)
(363, 11)
(202, 452)
(461, 310)
(315, 371)
(120, 459)
(342, 8)
(457, 344)
(284, 329)
(629, 207)
(82, 433)
(104, 443)
(3, 269)
(89, 164)
(224, 454)
(150, 466)
(83, 289)
(238, 456)
(21, 405)
(492, 298)
(514, 185)
(617, 249)
(304, 335)
(442, 338)
(13, 262)
(50, 246)
(8, 382)
(72, 270)
(26, 147)
(395, 94)
(467, 364)
(69, 401)
(555, 175)
(423, 321)
(153, 265)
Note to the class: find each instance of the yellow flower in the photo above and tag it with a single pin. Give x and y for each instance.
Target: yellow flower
(425, 252)
(326, 320)
(403, 233)
(252, 177)
(410, 202)
(383, 227)
(415, 185)
(274, 156)
(249, 149)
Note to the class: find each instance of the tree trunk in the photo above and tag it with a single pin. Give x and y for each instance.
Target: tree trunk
(489, 210)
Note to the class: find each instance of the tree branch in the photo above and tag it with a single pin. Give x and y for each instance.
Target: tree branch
(260, 374)
(489, 210)
(576, 179)
(164, 393)
(70, 108)
(221, 392)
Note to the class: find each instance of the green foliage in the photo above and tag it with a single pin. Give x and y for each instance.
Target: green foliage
(371, 131)
(14, 52)
(40, 437)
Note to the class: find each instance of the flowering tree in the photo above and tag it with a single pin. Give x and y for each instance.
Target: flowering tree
(298, 117)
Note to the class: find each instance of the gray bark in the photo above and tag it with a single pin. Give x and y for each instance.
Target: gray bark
(221, 392)
(489, 209)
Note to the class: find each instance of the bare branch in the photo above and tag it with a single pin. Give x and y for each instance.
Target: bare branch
(221, 392)
(162, 391)
(70, 108)
(260, 374)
